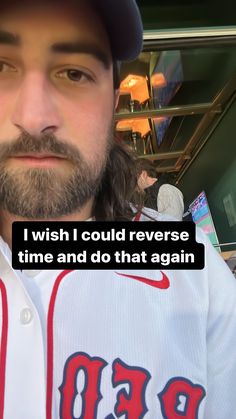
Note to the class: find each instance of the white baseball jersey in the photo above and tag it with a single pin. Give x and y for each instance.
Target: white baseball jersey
(118, 344)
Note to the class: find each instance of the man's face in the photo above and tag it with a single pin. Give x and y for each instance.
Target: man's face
(56, 108)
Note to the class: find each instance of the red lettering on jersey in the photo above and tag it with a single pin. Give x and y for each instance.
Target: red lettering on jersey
(132, 403)
(181, 399)
(92, 368)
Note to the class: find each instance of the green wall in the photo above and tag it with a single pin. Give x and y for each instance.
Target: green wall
(214, 170)
(167, 14)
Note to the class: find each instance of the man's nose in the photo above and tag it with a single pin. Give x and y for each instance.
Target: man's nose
(35, 110)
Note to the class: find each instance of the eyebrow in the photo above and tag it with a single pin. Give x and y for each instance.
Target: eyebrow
(82, 48)
(9, 38)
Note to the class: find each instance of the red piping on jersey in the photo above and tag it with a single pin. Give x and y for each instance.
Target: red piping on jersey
(50, 343)
(3, 351)
(137, 216)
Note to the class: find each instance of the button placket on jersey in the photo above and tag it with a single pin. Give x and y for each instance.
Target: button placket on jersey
(26, 316)
(23, 322)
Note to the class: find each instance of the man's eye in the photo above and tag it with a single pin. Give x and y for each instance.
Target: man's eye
(74, 75)
(4, 68)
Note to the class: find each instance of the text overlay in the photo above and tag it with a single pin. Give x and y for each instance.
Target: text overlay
(106, 245)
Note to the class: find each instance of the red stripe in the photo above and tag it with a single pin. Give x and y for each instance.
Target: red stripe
(137, 216)
(3, 352)
(50, 343)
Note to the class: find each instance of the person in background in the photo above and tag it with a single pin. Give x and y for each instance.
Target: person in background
(156, 193)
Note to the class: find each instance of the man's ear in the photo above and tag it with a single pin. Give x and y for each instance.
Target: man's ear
(144, 174)
(116, 98)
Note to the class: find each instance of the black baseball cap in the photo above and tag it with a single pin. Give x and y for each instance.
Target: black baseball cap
(124, 26)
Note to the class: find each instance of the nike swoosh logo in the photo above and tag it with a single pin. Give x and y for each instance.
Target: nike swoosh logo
(163, 284)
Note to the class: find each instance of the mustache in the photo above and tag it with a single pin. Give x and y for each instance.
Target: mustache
(45, 143)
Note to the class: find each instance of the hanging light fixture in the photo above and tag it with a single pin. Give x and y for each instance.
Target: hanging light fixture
(136, 86)
(158, 80)
(135, 125)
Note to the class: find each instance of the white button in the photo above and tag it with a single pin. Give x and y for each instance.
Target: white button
(26, 315)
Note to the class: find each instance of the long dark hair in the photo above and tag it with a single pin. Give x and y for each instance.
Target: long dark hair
(113, 199)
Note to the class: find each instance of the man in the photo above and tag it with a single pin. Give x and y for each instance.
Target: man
(156, 193)
(93, 344)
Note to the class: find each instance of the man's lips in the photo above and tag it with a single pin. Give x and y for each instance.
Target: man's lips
(38, 160)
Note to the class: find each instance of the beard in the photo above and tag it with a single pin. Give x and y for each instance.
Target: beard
(42, 193)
